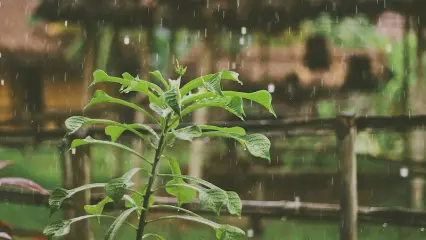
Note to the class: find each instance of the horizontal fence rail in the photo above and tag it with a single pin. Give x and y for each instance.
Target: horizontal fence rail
(291, 210)
(295, 127)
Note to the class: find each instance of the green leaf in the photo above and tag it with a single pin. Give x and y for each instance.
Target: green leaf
(261, 97)
(98, 208)
(198, 82)
(114, 132)
(234, 203)
(156, 236)
(58, 228)
(235, 130)
(257, 144)
(227, 232)
(138, 198)
(59, 195)
(89, 140)
(101, 76)
(159, 76)
(212, 83)
(101, 97)
(161, 109)
(116, 188)
(172, 97)
(233, 104)
(115, 226)
(183, 194)
(212, 199)
(143, 87)
(74, 123)
(187, 133)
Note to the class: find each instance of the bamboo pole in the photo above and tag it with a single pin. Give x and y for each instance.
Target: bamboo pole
(346, 133)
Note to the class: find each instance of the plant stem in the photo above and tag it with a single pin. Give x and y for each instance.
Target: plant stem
(149, 191)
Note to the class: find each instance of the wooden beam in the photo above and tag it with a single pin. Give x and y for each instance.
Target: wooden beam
(346, 134)
(266, 209)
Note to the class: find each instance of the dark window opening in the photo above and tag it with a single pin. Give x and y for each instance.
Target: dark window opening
(360, 75)
(317, 56)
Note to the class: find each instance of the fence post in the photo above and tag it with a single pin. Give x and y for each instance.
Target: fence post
(346, 133)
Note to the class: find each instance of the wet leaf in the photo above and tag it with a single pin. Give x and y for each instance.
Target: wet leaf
(232, 104)
(58, 228)
(116, 188)
(114, 132)
(115, 226)
(212, 199)
(187, 133)
(182, 193)
(153, 235)
(227, 232)
(234, 203)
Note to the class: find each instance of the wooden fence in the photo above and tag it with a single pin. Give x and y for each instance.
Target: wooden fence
(344, 126)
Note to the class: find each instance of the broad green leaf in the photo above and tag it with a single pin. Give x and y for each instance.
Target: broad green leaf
(143, 87)
(138, 198)
(233, 104)
(187, 133)
(115, 226)
(74, 123)
(212, 199)
(198, 82)
(183, 194)
(116, 188)
(160, 109)
(212, 83)
(114, 132)
(156, 236)
(101, 97)
(234, 203)
(58, 195)
(261, 97)
(172, 96)
(58, 228)
(235, 130)
(159, 76)
(98, 208)
(257, 144)
(227, 232)
(101, 76)
(89, 140)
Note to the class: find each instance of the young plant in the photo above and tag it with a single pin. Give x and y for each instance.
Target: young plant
(169, 103)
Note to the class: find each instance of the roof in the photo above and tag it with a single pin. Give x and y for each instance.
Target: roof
(284, 62)
(270, 16)
(17, 34)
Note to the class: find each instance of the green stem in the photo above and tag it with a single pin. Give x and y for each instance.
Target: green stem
(149, 191)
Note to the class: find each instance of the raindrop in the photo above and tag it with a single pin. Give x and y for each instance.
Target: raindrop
(422, 229)
(2, 82)
(403, 172)
(250, 233)
(271, 88)
(0, 54)
(283, 219)
(233, 65)
(126, 40)
(384, 225)
(66, 23)
(243, 30)
(73, 150)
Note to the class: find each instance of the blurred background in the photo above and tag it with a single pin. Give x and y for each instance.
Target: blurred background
(316, 58)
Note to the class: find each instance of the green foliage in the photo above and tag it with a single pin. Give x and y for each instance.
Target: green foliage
(167, 107)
